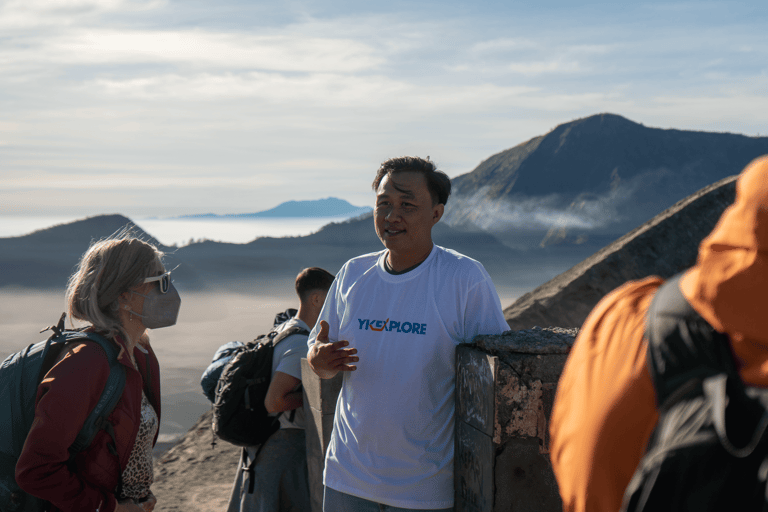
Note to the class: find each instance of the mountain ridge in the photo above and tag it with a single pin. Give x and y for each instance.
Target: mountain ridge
(326, 207)
(599, 175)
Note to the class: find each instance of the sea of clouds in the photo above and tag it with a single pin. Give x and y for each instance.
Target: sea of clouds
(182, 231)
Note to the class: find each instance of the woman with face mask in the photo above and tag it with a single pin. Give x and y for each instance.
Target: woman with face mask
(121, 289)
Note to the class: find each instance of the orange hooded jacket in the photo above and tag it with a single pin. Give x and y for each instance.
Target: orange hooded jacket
(605, 406)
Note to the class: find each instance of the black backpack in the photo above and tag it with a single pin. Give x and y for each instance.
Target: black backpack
(709, 449)
(239, 415)
(226, 352)
(20, 375)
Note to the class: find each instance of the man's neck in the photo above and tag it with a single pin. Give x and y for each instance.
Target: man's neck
(305, 315)
(401, 263)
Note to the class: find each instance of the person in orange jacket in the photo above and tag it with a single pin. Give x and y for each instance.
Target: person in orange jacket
(605, 407)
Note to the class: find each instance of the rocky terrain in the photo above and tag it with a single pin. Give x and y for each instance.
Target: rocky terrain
(192, 475)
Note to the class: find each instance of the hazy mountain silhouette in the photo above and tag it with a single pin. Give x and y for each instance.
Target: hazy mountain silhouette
(328, 207)
(265, 261)
(598, 176)
(46, 258)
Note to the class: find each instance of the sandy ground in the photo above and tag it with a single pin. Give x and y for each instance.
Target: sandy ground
(193, 476)
(206, 321)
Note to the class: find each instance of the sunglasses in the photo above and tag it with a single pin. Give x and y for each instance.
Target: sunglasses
(164, 281)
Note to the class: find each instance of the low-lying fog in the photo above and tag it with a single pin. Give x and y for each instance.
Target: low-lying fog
(206, 321)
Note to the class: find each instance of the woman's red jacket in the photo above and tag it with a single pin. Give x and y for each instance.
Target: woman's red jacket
(67, 394)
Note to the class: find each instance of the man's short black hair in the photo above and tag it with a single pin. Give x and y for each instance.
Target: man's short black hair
(311, 279)
(438, 183)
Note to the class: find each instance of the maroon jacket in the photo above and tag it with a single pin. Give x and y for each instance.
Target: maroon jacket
(67, 394)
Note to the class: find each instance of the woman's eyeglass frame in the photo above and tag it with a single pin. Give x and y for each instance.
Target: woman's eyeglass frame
(164, 281)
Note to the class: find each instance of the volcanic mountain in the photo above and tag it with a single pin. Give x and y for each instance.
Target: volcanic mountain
(592, 179)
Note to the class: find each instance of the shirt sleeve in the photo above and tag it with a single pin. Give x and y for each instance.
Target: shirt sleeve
(483, 314)
(605, 404)
(290, 351)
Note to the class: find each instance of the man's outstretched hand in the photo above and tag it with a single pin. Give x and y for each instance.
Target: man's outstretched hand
(328, 359)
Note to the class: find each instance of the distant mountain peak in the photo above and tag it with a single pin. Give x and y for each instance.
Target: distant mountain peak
(326, 207)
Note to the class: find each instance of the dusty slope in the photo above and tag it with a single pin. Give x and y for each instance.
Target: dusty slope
(192, 476)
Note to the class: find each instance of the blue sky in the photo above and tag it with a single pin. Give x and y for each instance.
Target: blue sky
(159, 107)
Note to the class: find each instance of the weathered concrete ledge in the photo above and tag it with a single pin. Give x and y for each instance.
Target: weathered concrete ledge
(505, 387)
(550, 340)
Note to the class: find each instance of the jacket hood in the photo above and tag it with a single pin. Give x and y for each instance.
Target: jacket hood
(729, 282)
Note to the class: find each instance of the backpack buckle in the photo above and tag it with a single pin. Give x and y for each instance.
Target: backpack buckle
(57, 329)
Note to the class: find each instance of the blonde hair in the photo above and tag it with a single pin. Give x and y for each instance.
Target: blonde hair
(107, 269)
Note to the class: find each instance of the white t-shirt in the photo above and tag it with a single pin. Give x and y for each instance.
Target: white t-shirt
(393, 430)
(287, 359)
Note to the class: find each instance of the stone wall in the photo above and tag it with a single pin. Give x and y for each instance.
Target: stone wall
(319, 405)
(505, 386)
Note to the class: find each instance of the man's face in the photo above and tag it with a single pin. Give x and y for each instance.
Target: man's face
(404, 214)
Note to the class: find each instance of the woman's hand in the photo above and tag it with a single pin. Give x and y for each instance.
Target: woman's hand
(148, 503)
(145, 505)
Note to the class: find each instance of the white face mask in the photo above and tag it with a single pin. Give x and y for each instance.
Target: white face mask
(159, 309)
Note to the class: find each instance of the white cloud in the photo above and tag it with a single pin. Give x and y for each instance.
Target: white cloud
(539, 213)
(502, 44)
(539, 67)
(98, 87)
(324, 90)
(23, 15)
(200, 49)
(141, 176)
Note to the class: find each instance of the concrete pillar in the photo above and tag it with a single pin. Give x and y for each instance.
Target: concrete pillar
(505, 387)
(319, 405)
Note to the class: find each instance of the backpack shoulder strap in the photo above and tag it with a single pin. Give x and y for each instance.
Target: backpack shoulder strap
(289, 332)
(683, 349)
(280, 337)
(111, 394)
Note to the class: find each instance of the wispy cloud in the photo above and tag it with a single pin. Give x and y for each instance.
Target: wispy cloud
(298, 100)
(22, 15)
(200, 49)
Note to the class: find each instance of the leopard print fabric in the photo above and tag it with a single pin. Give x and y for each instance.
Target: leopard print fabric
(138, 475)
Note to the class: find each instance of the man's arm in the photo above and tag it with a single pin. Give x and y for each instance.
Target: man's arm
(283, 393)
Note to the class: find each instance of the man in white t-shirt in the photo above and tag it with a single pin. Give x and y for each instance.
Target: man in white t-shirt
(391, 322)
(279, 473)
